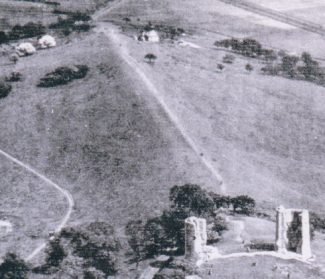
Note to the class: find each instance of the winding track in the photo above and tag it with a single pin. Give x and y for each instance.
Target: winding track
(64, 192)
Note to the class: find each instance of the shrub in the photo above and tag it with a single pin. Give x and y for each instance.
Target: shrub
(249, 67)
(262, 246)
(28, 30)
(89, 250)
(14, 77)
(243, 204)
(228, 58)
(13, 267)
(220, 67)
(74, 22)
(288, 65)
(5, 89)
(311, 70)
(220, 200)
(135, 235)
(317, 222)
(250, 47)
(3, 37)
(63, 75)
(269, 54)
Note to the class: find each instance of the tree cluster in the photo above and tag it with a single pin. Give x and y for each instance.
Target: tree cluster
(72, 22)
(18, 32)
(13, 267)
(247, 47)
(295, 67)
(63, 75)
(87, 251)
(165, 234)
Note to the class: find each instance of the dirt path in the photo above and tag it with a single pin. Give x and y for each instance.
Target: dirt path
(64, 192)
(111, 32)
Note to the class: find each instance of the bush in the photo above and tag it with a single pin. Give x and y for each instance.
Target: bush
(317, 222)
(271, 69)
(243, 204)
(63, 75)
(3, 37)
(288, 65)
(13, 267)
(228, 58)
(262, 246)
(5, 89)
(14, 77)
(28, 30)
(89, 250)
(74, 22)
(311, 70)
(220, 67)
(249, 67)
(247, 47)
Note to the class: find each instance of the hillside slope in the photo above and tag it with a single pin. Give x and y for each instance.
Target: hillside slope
(264, 133)
(99, 138)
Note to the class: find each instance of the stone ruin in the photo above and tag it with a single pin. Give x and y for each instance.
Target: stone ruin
(196, 248)
(292, 236)
(293, 231)
(195, 237)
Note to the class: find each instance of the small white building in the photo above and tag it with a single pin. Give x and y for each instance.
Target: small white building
(25, 49)
(46, 41)
(150, 36)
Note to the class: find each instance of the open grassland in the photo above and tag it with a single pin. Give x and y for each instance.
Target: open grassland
(265, 133)
(107, 140)
(213, 18)
(257, 268)
(102, 138)
(31, 206)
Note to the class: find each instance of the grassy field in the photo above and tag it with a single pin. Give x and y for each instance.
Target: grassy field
(265, 133)
(107, 140)
(257, 268)
(96, 137)
(33, 208)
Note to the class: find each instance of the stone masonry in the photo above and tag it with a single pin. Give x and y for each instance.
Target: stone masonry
(293, 231)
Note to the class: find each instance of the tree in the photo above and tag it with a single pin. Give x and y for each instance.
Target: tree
(55, 253)
(249, 68)
(150, 58)
(220, 67)
(13, 267)
(250, 47)
(155, 237)
(5, 89)
(243, 204)
(3, 37)
(289, 63)
(310, 70)
(191, 198)
(220, 201)
(14, 58)
(135, 233)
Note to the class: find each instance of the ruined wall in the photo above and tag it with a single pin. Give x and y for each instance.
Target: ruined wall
(293, 231)
(195, 237)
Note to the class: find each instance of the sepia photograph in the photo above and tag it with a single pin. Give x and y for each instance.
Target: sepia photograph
(162, 139)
